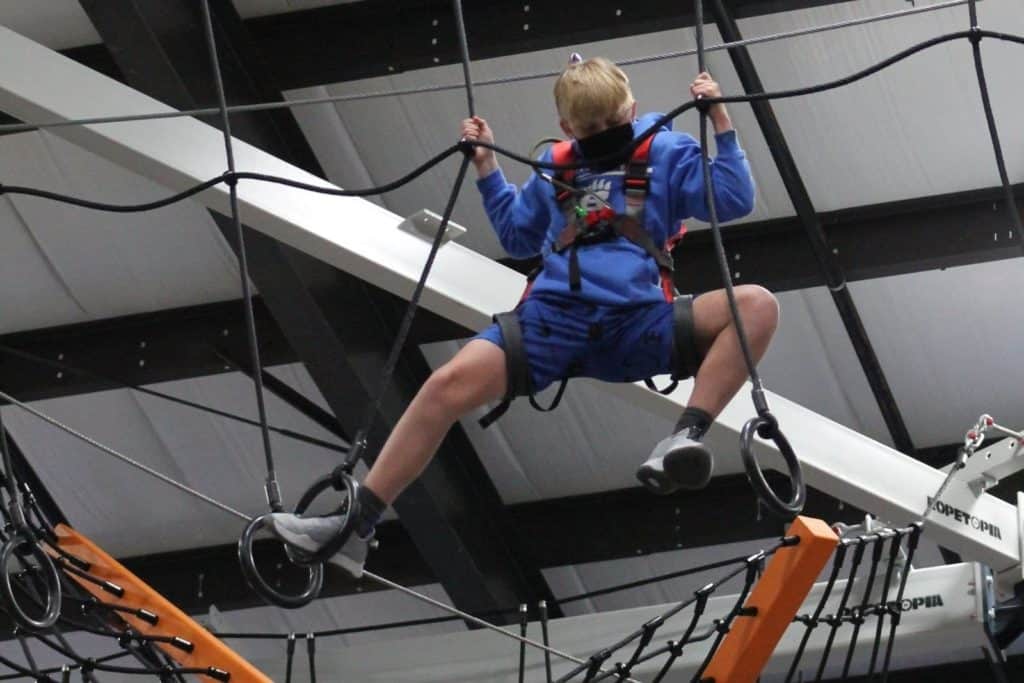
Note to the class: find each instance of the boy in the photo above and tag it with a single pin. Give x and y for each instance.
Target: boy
(604, 315)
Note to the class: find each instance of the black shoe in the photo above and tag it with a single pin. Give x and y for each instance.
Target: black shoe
(678, 462)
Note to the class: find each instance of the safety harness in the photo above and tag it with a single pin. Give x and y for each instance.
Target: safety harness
(584, 228)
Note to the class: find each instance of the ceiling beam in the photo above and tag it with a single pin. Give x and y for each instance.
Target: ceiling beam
(359, 40)
(340, 331)
(879, 240)
(139, 349)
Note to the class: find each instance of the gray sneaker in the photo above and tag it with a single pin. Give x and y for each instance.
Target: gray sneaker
(678, 462)
(311, 533)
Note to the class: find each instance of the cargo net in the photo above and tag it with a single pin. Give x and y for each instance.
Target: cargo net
(53, 581)
(709, 637)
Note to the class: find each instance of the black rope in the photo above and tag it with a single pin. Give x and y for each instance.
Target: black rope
(857, 617)
(990, 120)
(405, 327)
(311, 653)
(885, 609)
(836, 620)
(534, 163)
(505, 611)
(63, 667)
(467, 79)
(290, 654)
(272, 488)
(812, 622)
(915, 536)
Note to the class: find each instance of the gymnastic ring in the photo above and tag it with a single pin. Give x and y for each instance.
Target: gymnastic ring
(53, 592)
(252, 575)
(768, 428)
(341, 481)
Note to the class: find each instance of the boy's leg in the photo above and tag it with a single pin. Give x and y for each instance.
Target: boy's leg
(475, 376)
(681, 460)
(723, 371)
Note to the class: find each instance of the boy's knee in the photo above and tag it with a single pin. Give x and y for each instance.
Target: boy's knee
(448, 388)
(759, 305)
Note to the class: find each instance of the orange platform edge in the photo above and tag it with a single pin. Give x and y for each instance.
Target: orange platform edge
(777, 596)
(209, 650)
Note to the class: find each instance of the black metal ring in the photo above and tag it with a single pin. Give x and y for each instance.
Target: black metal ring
(339, 480)
(768, 428)
(50, 576)
(256, 581)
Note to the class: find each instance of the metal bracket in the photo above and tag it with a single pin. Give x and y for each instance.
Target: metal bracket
(986, 468)
(424, 224)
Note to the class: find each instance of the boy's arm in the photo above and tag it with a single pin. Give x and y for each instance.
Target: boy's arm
(730, 172)
(520, 217)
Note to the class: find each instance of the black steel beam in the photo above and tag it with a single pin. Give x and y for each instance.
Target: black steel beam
(336, 324)
(881, 240)
(137, 349)
(359, 40)
(808, 216)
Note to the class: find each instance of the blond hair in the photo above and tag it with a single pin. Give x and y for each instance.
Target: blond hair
(593, 95)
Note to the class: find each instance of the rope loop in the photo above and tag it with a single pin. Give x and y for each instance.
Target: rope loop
(24, 547)
(784, 509)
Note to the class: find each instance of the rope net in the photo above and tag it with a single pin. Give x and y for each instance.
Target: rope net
(49, 579)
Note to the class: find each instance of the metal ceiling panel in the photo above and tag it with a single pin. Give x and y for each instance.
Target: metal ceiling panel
(86, 264)
(950, 341)
(916, 129)
(128, 512)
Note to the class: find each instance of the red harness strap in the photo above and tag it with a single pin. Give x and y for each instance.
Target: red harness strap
(636, 185)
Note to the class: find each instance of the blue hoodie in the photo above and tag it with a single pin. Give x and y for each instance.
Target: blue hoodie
(618, 272)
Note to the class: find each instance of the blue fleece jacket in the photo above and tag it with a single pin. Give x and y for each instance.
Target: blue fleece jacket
(618, 272)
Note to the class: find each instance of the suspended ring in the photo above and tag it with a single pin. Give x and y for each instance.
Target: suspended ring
(251, 572)
(768, 428)
(341, 481)
(21, 545)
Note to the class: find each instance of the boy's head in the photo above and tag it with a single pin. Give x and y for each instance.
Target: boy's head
(592, 96)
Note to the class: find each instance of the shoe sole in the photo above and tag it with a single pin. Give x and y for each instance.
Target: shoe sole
(684, 469)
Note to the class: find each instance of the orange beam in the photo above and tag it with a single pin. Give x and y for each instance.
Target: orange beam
(774, 602)
(208, 651)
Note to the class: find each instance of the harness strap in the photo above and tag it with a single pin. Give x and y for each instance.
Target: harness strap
(685, 355)
(517, 371)
(637, 180)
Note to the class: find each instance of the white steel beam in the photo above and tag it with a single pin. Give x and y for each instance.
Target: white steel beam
(363, 239)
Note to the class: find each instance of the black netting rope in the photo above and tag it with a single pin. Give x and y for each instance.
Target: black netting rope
(273, 491)
(858, 614)
(990, 121)
(501, 80)
(405, 327)
(21, 672)
(228, 178)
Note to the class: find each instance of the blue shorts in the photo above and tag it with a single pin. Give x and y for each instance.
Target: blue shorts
(574, 339)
